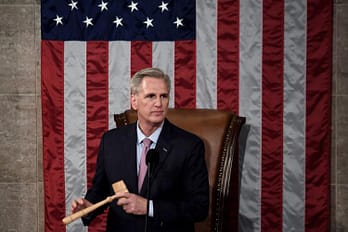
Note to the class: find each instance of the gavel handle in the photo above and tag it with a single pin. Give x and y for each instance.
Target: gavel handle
(84, 212)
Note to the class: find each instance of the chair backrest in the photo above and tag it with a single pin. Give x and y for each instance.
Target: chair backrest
(220, 132)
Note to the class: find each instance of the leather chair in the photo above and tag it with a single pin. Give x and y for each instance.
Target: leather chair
(220, 132)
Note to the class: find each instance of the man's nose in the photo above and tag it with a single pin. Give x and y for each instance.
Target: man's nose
(158, 101)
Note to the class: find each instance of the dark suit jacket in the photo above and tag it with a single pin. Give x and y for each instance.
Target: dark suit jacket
(179, 184)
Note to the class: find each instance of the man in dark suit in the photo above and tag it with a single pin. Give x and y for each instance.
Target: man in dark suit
(179, 194)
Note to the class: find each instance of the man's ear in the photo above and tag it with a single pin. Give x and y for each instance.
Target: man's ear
(134, 102)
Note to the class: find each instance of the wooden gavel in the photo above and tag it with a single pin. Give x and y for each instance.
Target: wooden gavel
(118, 187)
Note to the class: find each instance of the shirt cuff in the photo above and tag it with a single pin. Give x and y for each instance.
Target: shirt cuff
(151, 209)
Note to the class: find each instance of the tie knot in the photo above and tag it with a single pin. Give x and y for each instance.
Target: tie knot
(147, 142)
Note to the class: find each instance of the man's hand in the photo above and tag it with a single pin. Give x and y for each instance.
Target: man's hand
(132, 203)
(79, 204)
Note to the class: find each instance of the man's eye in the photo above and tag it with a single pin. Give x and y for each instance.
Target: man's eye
(151, 95)
(164, 96)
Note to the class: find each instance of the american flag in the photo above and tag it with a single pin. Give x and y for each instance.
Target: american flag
(269, 61)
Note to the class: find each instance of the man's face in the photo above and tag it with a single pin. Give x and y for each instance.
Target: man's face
(151, 101)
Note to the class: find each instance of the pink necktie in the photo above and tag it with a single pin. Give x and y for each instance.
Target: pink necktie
(143, 166)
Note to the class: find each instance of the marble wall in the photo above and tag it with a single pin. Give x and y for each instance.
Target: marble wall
(21, 187)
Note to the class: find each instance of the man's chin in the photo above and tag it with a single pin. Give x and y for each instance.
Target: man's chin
(157, 119)
(160, 115)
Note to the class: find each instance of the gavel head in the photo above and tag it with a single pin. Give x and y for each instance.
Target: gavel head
(119, 187)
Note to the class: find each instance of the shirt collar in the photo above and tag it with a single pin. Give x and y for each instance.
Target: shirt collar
(154, 136)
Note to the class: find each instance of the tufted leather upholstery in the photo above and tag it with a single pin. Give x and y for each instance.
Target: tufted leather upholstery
(220, 132)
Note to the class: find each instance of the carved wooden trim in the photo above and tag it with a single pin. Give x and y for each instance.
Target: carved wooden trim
(121, 119)
(224, 172)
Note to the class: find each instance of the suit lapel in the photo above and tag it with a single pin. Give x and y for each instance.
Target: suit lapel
(163, 147)
(129, 164)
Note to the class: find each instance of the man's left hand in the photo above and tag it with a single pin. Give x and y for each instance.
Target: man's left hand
(132, 203)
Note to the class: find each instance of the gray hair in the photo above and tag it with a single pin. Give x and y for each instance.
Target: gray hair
(147, 72)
